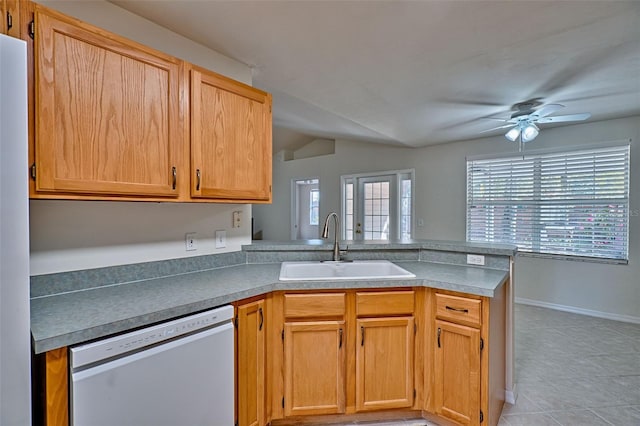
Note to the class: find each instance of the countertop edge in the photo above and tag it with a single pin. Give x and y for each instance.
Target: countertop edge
(322, 245)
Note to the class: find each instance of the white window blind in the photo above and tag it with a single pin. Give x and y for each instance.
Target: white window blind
(570, 203)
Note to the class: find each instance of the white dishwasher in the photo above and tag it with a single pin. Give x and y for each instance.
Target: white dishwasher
(178, 373)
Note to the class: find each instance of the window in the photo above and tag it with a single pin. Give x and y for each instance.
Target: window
(565, 203)
(314, 207)
(378, 206)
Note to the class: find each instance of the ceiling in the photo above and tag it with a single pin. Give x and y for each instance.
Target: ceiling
(417, 73)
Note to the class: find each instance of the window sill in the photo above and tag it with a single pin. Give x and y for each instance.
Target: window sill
(573, 258)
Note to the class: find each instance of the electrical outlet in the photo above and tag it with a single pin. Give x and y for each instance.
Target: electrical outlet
(221, 239)
(190, 242)
(475, 259)
(237, 219)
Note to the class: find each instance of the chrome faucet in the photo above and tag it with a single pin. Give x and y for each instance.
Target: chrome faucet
(325, 234)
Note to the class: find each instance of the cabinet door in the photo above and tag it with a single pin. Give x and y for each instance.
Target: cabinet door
(230, 139)
(314, 368)
(384, 363)
(10, 17)
(3, 14)
(106, 111)
(251, 364)
(457, 372)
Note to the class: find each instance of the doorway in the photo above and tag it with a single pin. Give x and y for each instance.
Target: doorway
(305, 209)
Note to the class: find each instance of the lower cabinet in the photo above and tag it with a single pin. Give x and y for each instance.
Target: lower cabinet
(314, 368)
(384, 363)
(457, 372)
(250, 366)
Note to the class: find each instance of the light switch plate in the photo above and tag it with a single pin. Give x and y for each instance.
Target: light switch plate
(221, 239)
(190, 241)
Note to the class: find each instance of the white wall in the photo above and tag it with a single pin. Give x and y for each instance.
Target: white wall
(72, 235)
(613, 290)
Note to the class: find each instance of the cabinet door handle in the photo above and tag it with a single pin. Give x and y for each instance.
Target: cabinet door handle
(174, 173)
(261, 319)
(449, 308)
(197, 179)
(340, 342)
(362, 332)
(439, 331)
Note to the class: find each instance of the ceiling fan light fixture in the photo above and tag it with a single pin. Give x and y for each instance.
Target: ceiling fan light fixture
(513, 134)
(529, 132)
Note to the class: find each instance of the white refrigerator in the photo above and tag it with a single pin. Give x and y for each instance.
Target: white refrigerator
(15, 341)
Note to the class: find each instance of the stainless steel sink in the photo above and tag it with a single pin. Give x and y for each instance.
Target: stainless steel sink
(330, 271)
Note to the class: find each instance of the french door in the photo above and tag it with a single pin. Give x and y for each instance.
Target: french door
(377, 207)
(373, 214)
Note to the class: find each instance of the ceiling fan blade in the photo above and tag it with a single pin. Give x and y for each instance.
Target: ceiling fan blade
(504, 120)
(546, 110)
(564, 118)
(496, 128)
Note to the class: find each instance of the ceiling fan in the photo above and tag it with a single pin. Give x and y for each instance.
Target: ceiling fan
(523, 122)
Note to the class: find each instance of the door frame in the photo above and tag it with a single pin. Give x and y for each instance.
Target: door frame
(295, 210)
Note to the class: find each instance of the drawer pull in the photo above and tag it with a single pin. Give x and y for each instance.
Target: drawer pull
(340, 344)
(198, 177)
(261, 319)
(439, 331)
(449, 308)
(362, 331)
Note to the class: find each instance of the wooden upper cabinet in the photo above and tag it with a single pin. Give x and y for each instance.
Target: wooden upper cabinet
(230, 139)
(107, 112)
(3, 16)
(10, 19)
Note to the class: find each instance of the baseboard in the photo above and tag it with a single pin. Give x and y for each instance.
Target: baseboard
(510, 396)
(582, 311)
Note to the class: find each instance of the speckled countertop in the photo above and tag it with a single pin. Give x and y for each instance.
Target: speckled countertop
(73, 317)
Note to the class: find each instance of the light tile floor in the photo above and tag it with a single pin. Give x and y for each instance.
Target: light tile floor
(574, 370)
(571, 370)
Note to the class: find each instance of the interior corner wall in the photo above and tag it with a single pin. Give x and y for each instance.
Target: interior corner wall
(71, 235)
(440, 200)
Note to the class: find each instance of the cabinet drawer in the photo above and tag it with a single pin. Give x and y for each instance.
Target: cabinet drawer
(385, 303)
(314, 305)
(457, 309)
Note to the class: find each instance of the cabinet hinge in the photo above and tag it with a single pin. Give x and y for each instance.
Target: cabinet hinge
(32, 29)
(33, 171)
(481, 416)
(9, 20)
(481, 343)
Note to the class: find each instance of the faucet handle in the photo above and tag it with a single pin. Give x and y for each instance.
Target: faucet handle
(344, 252)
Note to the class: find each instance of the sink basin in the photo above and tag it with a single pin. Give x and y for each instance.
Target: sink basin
(331, 271)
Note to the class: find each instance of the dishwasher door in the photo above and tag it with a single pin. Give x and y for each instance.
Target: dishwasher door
(184, 382)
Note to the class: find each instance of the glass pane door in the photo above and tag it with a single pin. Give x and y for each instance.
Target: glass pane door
(374, 215)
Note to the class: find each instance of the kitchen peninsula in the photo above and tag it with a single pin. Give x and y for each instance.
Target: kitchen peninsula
(448, 308)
